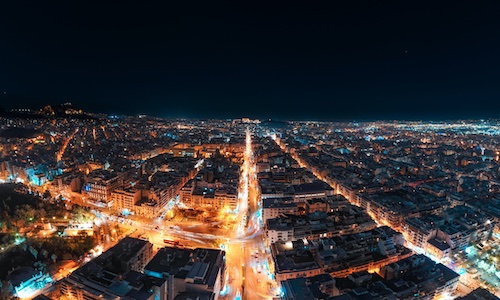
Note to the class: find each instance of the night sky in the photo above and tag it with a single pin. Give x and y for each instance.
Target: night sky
(331, 60)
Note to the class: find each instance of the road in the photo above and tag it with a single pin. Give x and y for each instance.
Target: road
(246, 256)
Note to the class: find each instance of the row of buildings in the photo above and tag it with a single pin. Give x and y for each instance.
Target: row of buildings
(144, 191)
(338, 256)
(413, 277)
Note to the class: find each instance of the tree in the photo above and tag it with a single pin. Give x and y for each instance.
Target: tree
(3, 227)
(80, 213)
(40, 266)
(6, 290)
(24, 214)
(41, 213)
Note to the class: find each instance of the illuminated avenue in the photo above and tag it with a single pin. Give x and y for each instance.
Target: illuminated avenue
(113, 207)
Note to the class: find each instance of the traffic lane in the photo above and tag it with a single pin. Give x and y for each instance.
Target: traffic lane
(235, 265)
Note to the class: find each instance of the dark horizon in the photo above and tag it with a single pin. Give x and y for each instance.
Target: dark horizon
(341, 61)
(38, 103)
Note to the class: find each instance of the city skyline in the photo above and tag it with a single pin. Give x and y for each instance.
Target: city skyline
(152, 208)
(336, 61)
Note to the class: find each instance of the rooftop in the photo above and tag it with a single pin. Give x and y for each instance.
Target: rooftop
(439, 244)
(198, 266)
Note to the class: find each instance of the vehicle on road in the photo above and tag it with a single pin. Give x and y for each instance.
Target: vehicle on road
(172, 243)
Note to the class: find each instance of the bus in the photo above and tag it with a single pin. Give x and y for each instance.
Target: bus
(172, 243)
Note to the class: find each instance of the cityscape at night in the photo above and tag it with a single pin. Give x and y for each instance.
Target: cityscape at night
(147, 208)
(236, 151)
